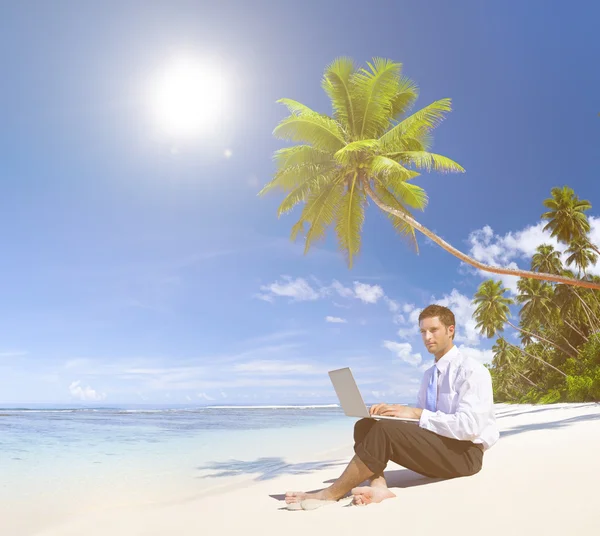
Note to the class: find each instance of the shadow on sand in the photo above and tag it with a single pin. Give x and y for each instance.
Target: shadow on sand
(552, 425)
(269, 468)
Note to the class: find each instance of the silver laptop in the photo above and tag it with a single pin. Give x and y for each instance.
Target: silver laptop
(350, 398)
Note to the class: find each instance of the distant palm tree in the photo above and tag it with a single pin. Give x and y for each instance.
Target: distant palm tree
(492, 313)
(546, 259)
(581, 254)
(365, 152)
(566, 215)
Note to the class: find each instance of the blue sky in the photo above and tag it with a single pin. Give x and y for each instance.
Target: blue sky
(139, 267)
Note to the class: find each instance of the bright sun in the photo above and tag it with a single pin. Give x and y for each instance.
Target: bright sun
(187, 98)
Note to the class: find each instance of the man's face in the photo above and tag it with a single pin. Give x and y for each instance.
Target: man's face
(436, 337)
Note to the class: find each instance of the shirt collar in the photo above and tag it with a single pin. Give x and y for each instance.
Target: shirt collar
(443, 364)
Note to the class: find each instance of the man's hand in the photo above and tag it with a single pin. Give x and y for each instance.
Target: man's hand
(395, 410)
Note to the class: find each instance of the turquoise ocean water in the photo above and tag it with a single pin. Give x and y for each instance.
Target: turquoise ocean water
(92, 456)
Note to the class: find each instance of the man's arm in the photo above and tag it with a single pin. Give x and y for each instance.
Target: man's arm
(475, 401)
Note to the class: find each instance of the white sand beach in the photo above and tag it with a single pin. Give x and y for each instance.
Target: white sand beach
(540, 478)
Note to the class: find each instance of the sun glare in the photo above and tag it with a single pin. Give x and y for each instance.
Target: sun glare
(187, 98)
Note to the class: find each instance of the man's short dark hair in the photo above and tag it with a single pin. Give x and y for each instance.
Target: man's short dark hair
(445, 315)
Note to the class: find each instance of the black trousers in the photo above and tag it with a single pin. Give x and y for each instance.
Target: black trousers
(378, 441)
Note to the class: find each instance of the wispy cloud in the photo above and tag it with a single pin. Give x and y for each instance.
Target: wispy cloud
(295, 289)
(277, 367)
(404, 352)
(335, 320)
(299, 289)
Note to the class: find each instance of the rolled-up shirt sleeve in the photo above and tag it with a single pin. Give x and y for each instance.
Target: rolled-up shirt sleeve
(475, 398)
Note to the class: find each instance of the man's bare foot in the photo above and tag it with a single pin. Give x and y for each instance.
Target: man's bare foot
(297, 496)
(369, 494)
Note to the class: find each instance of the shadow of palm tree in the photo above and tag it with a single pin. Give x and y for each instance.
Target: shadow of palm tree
(502, 414)
(268, 468)
(549, 425)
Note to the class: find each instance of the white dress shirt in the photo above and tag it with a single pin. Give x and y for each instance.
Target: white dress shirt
(465, 402)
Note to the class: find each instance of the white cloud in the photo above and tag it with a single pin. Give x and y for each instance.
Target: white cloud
(483, 356)
(301, 290)
(297, 289)
(409, 326)
(463, 311)
(204, 396)
(85, 393)
(399, 319)
(368, 293)
(505, 251)
(335, 320)
(392, 305)
(343, 291)
(404, 351)
(408, 308)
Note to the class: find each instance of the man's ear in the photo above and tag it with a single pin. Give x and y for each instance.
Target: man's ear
(451, 330)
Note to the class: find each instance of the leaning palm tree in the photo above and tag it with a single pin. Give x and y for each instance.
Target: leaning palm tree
(492, 313)
(566, 215)
(505, 358)
(539, 311)
(371, 149)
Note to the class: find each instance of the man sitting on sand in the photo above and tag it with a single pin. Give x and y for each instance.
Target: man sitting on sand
(455, 408)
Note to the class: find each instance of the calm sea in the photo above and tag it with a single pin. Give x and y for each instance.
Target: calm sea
(121, 452)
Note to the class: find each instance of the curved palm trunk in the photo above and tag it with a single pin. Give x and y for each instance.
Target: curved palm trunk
(465, 258)
(524, 377)
(541, 338)
(586, 308)
(536, 357)
(528, 380)
(575, 329)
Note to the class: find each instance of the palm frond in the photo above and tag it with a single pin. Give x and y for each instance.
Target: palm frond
(320, 210)
(373, 93)
(310, 186)
(337, 84)
(429, 161)
(297, 228)
(292, 177)
(350, 220)
(347, 153)
(382, 165)
(404, 229)
(409, 194)
(320, 131)
(295, 107)
(416, 125)
(402, 101)
(299, 155)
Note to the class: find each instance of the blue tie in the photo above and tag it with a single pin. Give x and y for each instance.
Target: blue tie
(431, 401)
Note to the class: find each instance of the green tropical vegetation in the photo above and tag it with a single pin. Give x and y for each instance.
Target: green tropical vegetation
(373, 148)
(557, 357)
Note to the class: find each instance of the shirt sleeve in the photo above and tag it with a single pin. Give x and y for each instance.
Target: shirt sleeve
(475, 398)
